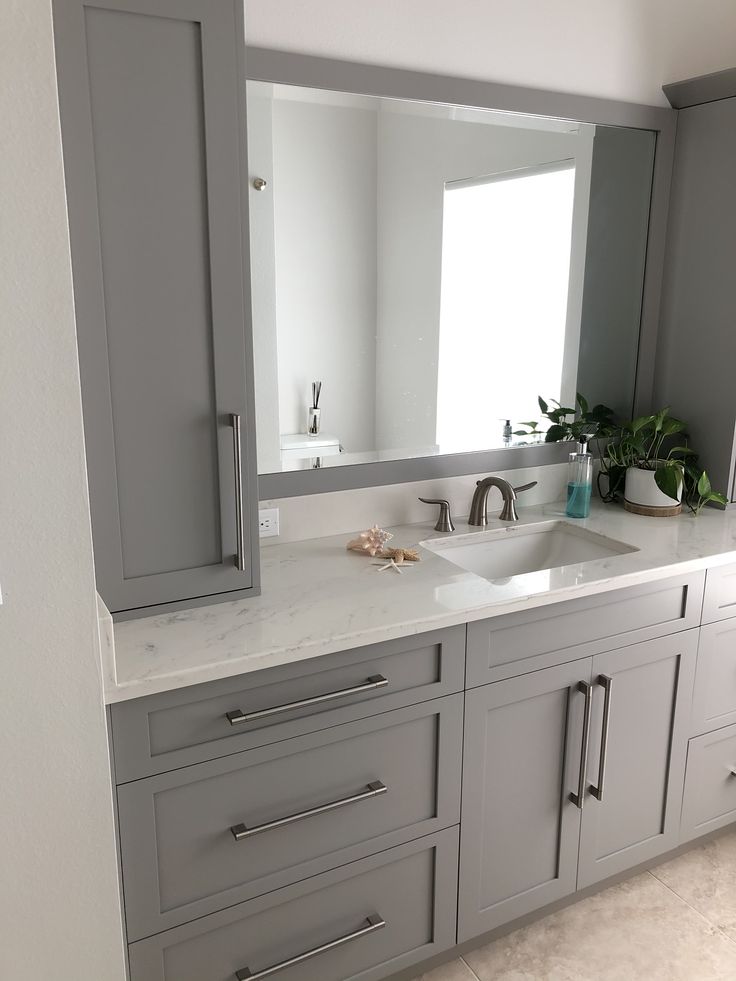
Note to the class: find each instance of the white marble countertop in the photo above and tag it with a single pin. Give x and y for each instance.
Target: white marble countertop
(319, 598)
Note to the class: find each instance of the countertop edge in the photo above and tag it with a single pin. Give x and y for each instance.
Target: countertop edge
(116, 692)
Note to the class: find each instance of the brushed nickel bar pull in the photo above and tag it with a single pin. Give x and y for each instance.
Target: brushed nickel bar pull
(579, 798)
(606, 684)
(238, 461)
(373, 922)
(375, 789)
(237, 717)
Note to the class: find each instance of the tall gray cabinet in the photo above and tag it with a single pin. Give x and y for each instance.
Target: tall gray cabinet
(153, 128)
(697, 347)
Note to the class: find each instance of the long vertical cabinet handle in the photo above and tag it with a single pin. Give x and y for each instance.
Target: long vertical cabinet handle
(606, 684)
(238, 460)
(579, 798)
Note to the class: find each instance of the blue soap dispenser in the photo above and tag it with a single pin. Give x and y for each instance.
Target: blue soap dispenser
(579, 481)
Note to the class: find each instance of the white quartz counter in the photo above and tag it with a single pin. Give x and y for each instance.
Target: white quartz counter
(318, 598)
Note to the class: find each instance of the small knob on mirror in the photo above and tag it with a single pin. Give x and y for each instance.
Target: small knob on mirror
(444, 520)
(259, 184)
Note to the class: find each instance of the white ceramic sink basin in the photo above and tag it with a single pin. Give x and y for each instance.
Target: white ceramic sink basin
(519, 549)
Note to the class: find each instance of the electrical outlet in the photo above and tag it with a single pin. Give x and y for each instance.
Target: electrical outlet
(268, 523)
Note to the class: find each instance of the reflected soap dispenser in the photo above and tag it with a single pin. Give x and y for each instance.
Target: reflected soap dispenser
(579, 481)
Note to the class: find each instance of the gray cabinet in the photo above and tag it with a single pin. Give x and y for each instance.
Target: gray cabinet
(196, 840)
(520, 828)
(714, 697)
(528, 834)
(697, 342)
(635, 785)
(178, 728)
(709, 801)
(151, 101)
(363, 921)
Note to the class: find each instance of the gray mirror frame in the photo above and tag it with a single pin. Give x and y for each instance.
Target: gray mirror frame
(265, 65)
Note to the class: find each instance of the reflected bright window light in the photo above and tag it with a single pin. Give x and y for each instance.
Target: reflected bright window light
(505, 272)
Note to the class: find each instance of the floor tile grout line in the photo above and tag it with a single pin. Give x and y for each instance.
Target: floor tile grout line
(702, 915)
(470, 968)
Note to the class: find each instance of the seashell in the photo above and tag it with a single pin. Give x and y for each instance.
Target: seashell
(371, 542)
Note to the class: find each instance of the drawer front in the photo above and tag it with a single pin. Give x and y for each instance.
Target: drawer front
(714, 699)
(204, 722)
(720, 594)
(710, 784)
(191, 843)
(366, 920)
(506, 646)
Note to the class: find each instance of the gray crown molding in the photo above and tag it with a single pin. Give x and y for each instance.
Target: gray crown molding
(703, 88)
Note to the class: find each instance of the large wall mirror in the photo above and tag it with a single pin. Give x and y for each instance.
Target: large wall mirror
(421, 272)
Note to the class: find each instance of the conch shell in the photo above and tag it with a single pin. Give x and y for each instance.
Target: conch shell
(371, 542)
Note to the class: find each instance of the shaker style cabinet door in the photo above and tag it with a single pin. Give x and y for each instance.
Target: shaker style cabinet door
(521, 772)
(636, 763)
(151, 101)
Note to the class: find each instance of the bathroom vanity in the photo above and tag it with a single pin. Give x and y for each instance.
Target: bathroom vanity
(350, 775)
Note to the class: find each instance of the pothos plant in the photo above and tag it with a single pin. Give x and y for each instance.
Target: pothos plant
(571, 423)
(644, 442)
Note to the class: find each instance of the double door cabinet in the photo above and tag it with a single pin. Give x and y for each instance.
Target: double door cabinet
(353, 816)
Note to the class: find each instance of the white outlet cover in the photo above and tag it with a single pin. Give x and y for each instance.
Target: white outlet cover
(268, 523)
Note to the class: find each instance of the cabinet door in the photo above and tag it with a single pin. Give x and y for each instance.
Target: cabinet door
(520, 828)
(636, 770)
(151, 96)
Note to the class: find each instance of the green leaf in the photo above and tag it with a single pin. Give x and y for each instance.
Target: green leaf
(636, 424)
(583, 403)
(671, 426)
(704, 488)
(684, 450)
(669, 479)
(555, 434)
(542, 405)
(718, 498)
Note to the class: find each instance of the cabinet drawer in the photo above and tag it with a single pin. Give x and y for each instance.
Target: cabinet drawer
(714, 699)
(719, 602)
(710, 784)
(411, 889)
(191, 843)
(503, 647)
(174, 729)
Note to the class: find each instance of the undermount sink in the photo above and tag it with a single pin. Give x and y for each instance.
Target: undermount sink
(505, 552)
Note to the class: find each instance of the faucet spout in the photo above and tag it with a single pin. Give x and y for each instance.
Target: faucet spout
(479, 505)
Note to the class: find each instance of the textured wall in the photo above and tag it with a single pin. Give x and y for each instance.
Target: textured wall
(58, 886)
(619, 49)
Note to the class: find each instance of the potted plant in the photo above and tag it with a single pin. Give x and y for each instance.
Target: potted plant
(656, 476)
(637, 458)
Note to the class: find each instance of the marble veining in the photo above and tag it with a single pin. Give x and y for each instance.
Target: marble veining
(318, 598)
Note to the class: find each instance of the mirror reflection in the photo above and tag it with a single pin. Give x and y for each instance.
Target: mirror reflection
(421, 273)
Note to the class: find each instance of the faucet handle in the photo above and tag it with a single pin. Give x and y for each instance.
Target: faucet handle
(444, 520)
(532, 483)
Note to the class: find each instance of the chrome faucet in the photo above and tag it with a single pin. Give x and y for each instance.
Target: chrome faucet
(479, 505)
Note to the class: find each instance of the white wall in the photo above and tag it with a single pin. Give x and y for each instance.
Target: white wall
(324, 192)
(59, 912)
(619, 49)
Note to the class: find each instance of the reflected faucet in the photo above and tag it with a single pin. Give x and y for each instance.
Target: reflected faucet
(479, 505)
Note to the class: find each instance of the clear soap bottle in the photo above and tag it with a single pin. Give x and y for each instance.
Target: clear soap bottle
(579, 481)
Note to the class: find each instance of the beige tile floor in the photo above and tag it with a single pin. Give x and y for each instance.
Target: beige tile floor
(676, 922)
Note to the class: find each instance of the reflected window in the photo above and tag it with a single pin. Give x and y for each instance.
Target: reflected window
(506, 258)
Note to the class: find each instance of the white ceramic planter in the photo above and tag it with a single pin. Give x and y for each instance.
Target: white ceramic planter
(642, 496)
